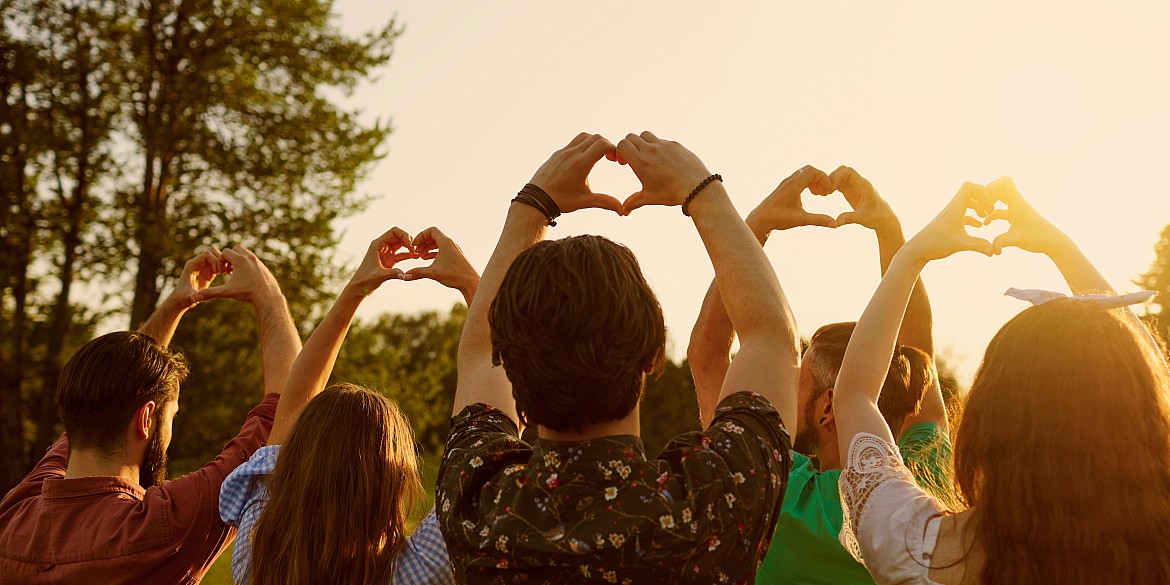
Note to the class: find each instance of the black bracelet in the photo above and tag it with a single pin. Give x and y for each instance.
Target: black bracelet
(534, 196)
(686, 202)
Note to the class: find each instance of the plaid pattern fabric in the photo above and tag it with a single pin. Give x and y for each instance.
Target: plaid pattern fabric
(422, 561)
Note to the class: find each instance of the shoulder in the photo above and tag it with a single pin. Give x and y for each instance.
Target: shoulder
(245, 484)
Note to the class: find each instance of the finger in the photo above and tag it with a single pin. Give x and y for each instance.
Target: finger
(850, 183)
(638, 142)
(977, 245)
(597, 149)
(417, 273)
(973, 221)
(1004, 240)
(243, 251)
(213, 292)
(627, 151)
(399, 257)
(803, 178)
(968, 193)
(577, 140)
(617, 156)
(603, 201)
(234, 256)
(847, 218)
(820, 183)
(1004, 189)
(821, 220)
(648, 136)
(997, 214)
(633, 202)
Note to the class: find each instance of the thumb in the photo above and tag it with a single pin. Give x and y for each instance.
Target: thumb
(979, 245)
(847, 218)
(633, 202)
(1008, 238)
(210, 293)
(418, 272)
(822, 220)
(603, 201)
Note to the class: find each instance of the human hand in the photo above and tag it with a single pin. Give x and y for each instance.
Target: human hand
(450, 267)
(378, 264)
(945, 235)
(667, 170)
(869, 209)
(197, 275)
(782, 209)
(1029, 230)
(565, 175)
(250, 280)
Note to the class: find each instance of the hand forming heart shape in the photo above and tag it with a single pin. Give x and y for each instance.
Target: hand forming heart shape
(449, 267)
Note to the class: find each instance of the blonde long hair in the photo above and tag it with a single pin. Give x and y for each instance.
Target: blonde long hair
(1063, 452)
(341, 493)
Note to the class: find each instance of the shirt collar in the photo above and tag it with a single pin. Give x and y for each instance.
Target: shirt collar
(559, 456)
(61, 488)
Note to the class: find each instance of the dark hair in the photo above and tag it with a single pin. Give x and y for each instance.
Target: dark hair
(107, 380)
(909, 377)
(1063, 453)
(574, 325)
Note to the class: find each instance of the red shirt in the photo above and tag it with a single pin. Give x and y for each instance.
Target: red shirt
(110, 530)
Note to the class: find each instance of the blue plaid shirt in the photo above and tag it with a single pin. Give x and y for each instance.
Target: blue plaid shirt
(422, 561)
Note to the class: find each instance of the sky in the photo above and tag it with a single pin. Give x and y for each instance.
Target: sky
(1070, 99)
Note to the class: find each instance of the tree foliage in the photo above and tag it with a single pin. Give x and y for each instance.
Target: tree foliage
(134, 133)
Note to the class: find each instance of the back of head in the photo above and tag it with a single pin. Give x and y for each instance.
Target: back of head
(341, 493)
(110, 378)
(910, 375)
(576, 327)
(1064, 451)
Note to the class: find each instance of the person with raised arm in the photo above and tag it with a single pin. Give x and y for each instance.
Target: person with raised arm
(98, 507)
(1063, 453)
(328, 500)
(805, 548)
(561, 336)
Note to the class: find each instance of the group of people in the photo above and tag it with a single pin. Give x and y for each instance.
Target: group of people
(831, 465)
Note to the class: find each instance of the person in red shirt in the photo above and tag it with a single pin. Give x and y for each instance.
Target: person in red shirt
(97, 508)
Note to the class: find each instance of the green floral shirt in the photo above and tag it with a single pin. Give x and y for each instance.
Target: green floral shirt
(599, 511)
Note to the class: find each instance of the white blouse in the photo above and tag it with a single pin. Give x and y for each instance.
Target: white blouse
(890, 524)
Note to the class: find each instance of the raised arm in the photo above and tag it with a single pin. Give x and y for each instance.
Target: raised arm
(1033, 232)
(564, 176)
(871, 346)
(871, 211)
(314, 364)
(251, 282)
(709, 353)
(197, 275)
(768, 358)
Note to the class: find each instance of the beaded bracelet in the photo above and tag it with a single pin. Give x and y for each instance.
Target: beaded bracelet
(534, 196)
(695, 191)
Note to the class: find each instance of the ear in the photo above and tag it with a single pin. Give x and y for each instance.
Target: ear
(827, 408)
(143, 421)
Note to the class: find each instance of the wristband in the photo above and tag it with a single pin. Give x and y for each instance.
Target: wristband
(534, 196)
(703, 185)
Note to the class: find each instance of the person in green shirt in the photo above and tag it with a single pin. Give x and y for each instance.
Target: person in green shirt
(805, 546)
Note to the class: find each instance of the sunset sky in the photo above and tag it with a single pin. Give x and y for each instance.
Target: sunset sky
(1071, 99)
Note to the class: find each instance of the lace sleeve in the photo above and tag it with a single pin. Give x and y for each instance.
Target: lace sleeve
(872, 463)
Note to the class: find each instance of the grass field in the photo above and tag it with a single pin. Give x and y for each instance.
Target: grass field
(221, 572)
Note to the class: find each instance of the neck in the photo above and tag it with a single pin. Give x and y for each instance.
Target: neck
(624, 426)
(828, 455)
(84, 463)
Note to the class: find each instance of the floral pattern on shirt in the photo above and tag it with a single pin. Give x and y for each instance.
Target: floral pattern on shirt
(599, 511)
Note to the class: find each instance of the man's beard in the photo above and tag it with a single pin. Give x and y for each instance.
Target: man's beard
(153, 470)
(807, 442)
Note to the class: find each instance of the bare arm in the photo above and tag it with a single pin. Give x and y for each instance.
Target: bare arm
(564, 178)
(872, 344)
(310, 372)
(252, 282)
(709, 353)
(768, 358)
(871, 211)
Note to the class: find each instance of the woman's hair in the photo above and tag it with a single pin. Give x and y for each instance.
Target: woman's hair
(1063, 452)
(343, 487)
(576, 328)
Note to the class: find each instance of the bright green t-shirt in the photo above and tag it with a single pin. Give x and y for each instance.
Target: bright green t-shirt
(805, 548)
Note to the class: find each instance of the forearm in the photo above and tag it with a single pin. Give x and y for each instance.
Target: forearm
(314, 364)
(164, 320)
(478, 379)
(709, 352)
(917, 327)
(279, 341)
(769, 354)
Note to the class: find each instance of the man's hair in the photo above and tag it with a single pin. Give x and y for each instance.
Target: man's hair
(107, 380)
(1063, 453)
(907, 381)
(575, 325)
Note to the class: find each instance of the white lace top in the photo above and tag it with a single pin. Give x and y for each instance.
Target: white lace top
(890, 524)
